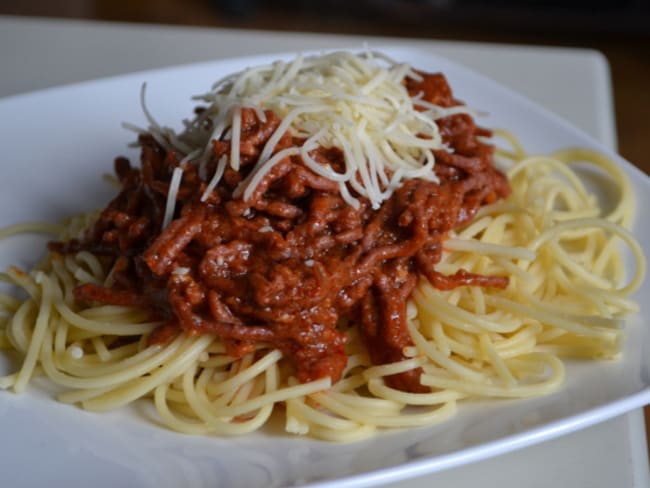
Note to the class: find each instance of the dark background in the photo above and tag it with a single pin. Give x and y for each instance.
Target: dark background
(619, 29)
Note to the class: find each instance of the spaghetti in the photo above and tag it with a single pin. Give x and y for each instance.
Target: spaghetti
(375, 291)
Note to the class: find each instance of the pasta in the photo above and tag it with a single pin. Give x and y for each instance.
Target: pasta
(565, 297)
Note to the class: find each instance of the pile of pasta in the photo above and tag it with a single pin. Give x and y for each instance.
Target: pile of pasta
(566, 297)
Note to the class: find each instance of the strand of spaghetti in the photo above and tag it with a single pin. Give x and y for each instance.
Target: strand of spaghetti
(619, 231)
(227, 397)
(203, 409)
(561, 195)
(202, 376)
(478, 297)
(311, 416)
(519, 152)
(431, 351)
(497, 231)
(31, 228)
(17, 277)
(217, 360)
(520, 338)
(349, 383)
(171, 420)
(8, 380)
(356, 360)
(577, 347)
(393, 368)
(334, 403)
(550, 318)
(100, 348)
(83, 276)
(378, 387)
(380, 406)
(524, 368)
(432, 328)
(60, 328)
(92, 262)
(606, 255)
(551, 384)
(88, 365)
(248, 390)
(18, 332)
(361, 432)
(273, 397)
(254, 389)
(102, 327)
(65, 278)
(462, 349)
(267, 382)
(498, 364)
(38, 334)
(294, 423)
(247, 374)
(112, 374)
(473, 229)
(488, 249)
(114, 312)
(623, 212)
(560, 215)
(427, 298)
(184, 356)
(279, 395)
(546, 161)
(324, 426)
(592, 299)
(562, 259)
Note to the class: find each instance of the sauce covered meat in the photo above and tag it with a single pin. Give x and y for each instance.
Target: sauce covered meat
(293, 263)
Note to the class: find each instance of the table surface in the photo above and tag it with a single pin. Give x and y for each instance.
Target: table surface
(39, 53)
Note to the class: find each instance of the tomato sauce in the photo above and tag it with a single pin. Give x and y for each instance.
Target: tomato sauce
(295, 265)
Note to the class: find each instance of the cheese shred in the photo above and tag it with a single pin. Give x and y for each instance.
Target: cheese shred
(386, 135)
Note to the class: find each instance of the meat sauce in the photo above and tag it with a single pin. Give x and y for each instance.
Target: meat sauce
(295, 265)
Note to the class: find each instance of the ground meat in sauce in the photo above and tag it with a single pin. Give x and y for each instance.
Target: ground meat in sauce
(293, 263)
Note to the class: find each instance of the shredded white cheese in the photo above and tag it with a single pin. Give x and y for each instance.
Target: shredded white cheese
(221, 167)
(356, 102)
(174, 185)
(75, 352)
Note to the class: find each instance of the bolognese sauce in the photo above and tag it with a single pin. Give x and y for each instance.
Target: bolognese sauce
(294, 265)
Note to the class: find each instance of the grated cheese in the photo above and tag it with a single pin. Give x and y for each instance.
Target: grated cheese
(356, 102)
(221, 167)
(174, 185)
(75, 352)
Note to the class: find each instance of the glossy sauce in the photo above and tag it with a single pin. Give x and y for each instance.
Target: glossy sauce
(294, 266)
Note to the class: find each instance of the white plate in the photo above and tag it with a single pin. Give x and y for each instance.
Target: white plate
(56, 144)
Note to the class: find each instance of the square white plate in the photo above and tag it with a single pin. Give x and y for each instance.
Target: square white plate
(56, 145)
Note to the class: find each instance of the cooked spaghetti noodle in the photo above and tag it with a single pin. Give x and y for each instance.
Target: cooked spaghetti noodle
(520, 281)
